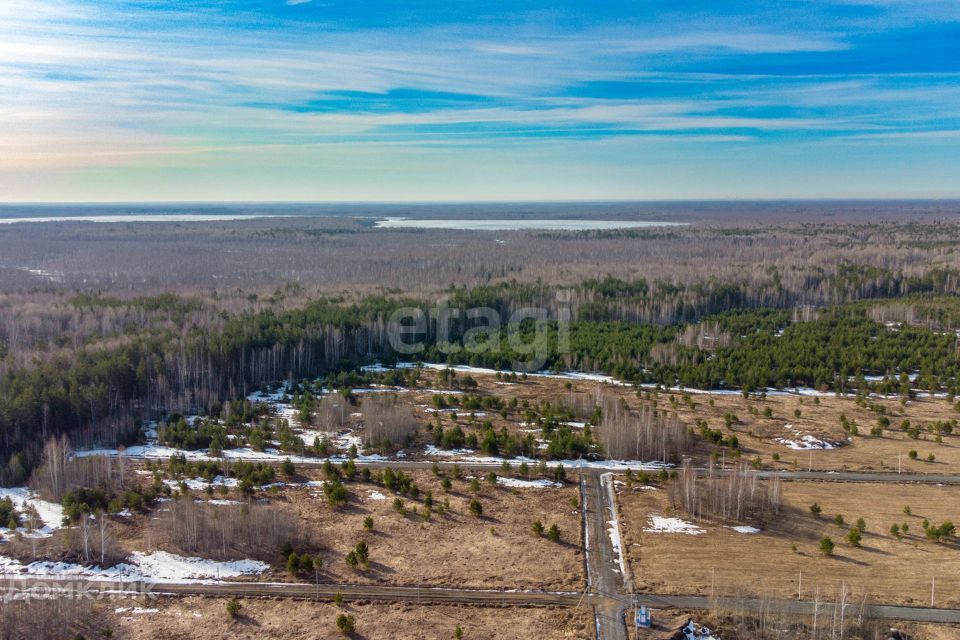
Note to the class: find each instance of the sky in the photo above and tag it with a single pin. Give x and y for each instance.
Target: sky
(327, 100)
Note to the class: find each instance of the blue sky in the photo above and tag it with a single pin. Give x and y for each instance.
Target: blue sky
(106, 100)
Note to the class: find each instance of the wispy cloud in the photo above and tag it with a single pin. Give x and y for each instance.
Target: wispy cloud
(91, 83)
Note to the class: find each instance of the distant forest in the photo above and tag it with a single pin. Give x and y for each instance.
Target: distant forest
(89, 357)
(99, 391)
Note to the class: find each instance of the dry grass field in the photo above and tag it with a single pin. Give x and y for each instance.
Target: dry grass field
(760, 434)
(496, 550)
(820, 418)
(730, 626)
(724, 561)
(455, 548)
(207, 619)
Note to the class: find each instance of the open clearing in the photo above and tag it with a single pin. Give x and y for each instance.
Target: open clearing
(496, 550)
(766, 427)
(724, 561)
(454, 549)
(207, 619)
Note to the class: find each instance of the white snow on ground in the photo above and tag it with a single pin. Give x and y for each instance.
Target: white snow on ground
(805, 443)
(135, 610)
(745, 529)
(462, 368)
(613, 526)
(168, 566)
(274, 397)
(376, 495)
(50, 513)
(375, 368)
(159, 566)
(694, 631)
(153, 451)
(614, 533)
(223, 503)
(432, 450)
(660, 524)
(464, 455)
(528, 484)
(199, 484)
(309, 435)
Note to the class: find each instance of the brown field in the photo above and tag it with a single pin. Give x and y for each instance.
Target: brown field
(757, 434)
(497, 550)
(455, 549)
(723, 561)
(730, 626)
(821, 419)
(206, 619)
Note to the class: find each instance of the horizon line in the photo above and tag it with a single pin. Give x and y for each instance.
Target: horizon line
(716, 200)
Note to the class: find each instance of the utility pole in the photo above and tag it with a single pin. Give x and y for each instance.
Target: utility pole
(933, 589)
(800, 586)
(816, 610)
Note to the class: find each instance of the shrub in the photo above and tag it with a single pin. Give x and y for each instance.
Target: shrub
(537, 528)
(346, 624)
(293, 563)
(554, 533)
(363, 553)
(337, 494)
(826, 546)
(940, 533)
(854, 537)
(476, 508)
(233, 608)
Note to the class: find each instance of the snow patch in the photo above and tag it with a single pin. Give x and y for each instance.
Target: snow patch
(517, 483)
(158, 566)
(745, 529)
(51, 514)
(661, 524)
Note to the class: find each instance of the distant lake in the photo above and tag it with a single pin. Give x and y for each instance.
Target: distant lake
(515, 225)
(140, 217)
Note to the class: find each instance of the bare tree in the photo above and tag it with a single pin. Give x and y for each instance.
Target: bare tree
(386, 422)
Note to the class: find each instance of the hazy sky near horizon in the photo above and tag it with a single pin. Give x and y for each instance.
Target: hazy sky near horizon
(111, 100)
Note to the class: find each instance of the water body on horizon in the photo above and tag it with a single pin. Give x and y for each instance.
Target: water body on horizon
(516, 225)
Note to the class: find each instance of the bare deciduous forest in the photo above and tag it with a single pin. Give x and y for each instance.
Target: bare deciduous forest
(184, 316)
